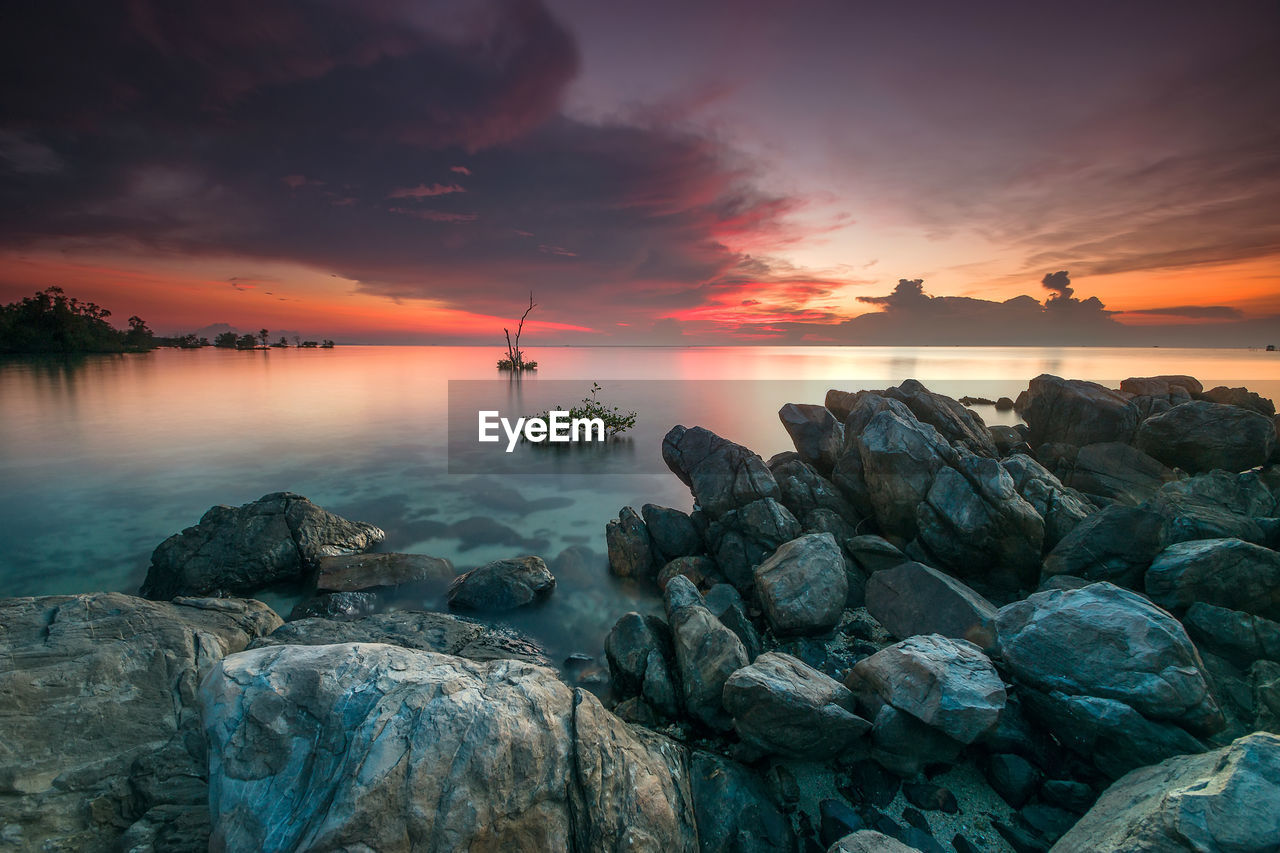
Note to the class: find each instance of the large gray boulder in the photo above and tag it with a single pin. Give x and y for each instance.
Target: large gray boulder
(806, 493)
(948, 685)
(1076, 412)
(1219, 505)
(1061, 507)
(802, 586)
(816, 433)
(958, 425)
(1172, 386)
(848, 474)
(1239, 637)
(1240, 397)
(784, 706)
(1116, 472)
(706, 651)
(502, 585)
(630, 546)
(1116, 545)
(743, 538)
(901, 458)
(672, 532)
(1201, 436)
(912, 598)
(100, 744)
(431, 632)
(376, 747)
(279, 537)
(1222, 800)
(1228, 573)
(1105, 642)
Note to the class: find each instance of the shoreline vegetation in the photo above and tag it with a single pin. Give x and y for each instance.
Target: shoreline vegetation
(913, 632)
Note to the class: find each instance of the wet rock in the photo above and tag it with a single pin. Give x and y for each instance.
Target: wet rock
(672, 532)
(399, 744)
(1077, 412)
(99, 721)
(1241, 398)
(802, 586)
(1117, 472)
(277, 538)
(1138, 654)
(947, 684)
(734, 811)
(335, 605)
(744, 538)
(1239, 637)
(958, 425)
(1201, 436)
(805, 491)
(913, 598)
(787, 707)
(1061, 507)
(1013, 778)
(901, 458)
(1193, 802)
(1116, 544)
(817, 434)
(930, 797)
(723, 476)
(706, 653)
(431, 632)
(1219, 506)
(702, 571)
(402, 572)
(642, 662)
(1226, 573)
(872, 553)
(630, 547)
(502, 585)
(727, 606)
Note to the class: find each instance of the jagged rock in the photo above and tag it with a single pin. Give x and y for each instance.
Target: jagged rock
(706, 652)
(727, 605)
(276, 538)
(411, 629)
(1241, 398)
(787, 707)
(99, 727)
(1117, 472)
(870, 841)
(1228, 573)
(805, 491)
(1004, 404)
(672, 532)
(1192, 802)
(872, 553)
(1201, 436)
(1239, 637)
(839, 403)
(336, 605)
(743, 538)
(734, 811)
(816, 433)
(723, 476)
(351, 573)
(397, 749)
(1116, 544)
(949, 685)
(702, 570)
(913, 598)
(974, 522)
(1061, 507)
(802, 586)
(1219, 506)
(1166, 385)
(1076, 412)
(630, 547)
(958, 425)
(1137, 654)
(1012, 777)
(502, 585)
(901, 458)
(848, 474)
(642, 662)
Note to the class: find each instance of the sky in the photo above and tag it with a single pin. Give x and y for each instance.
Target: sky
(656, 173)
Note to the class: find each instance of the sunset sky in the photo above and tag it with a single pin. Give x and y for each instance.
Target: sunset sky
(657, 172)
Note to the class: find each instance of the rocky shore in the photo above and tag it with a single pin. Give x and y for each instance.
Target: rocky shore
(913, 632)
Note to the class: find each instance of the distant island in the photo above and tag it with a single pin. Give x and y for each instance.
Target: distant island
(52, 322)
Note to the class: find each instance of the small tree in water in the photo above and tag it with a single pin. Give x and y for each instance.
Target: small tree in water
(515, 356)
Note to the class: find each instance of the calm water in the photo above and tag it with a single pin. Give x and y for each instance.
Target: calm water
(103, 457)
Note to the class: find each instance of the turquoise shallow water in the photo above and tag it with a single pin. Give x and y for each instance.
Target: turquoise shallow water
(103, 457)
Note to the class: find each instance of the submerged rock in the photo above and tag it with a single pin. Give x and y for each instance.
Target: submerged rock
(1201, 436)
(351, 573)
(336, 605)
(277, 538)
(502, 585)
(803, 586)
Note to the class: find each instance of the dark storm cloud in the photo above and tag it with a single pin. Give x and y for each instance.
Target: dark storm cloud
(421, 158)
(1194, 312)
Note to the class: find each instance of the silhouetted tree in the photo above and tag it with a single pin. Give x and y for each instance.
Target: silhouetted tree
(262, 335)
(515, 356)
(51, 321)
(225, 340)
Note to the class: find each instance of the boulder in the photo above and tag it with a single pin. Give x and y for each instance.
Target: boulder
(502, 585)
(848, 474)
(1227, 573)
(1012, 777)
(411, 629)
(706, 652)
(99, 725)
(948, 685)
(905, 746)
(870, 841)
(805, 491)
(913, 598)
(672, 532)
(817, 434)
(1219, 506)
(900, 457)
(727, 605)
(1116, 472)
(630, 547)
(1241, 398)
(958, 425)
(1138, 654)
(1008, 440)
(405, 572)
(642, 662)
(1004, 404)
(734, 810)
(1076, 412)
(839, 403)
(336, 605)
(397, 749)
(784, 706)
(277, 538)
(872, 553)
(701, 570)
(723, 476)
(1116, 545)
(802, 586)
(1061, 507)
(1239, 637)
(743, 538)
(1170, 385)
(1201, 436)
(1213, 801)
